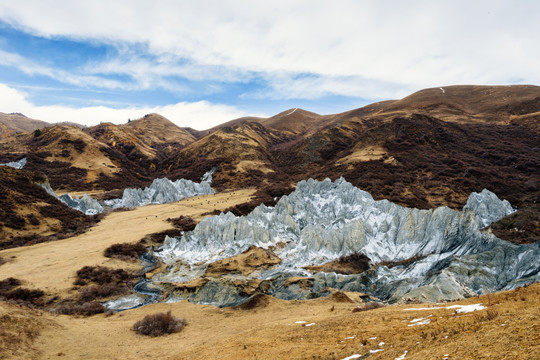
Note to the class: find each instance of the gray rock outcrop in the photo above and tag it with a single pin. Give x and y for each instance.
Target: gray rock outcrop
(163, 191)
(321, 221)
(487, 207)
(16, 164)
(86, 204)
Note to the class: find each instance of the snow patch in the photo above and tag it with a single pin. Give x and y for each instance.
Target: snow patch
(355, 356)
(292, 112)
(402, 356)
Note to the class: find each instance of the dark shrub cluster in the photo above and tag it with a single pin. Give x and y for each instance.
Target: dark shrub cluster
(159, 324)
(125, 251)
(8, 284)
(108, 282)
(184, 223)
(103, 275)
(103, 291)
(84, 309)
(9, 290)
(405, 262)
(78, 144)
(356, 260)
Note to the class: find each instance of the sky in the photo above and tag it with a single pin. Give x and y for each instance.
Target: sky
(201, 63)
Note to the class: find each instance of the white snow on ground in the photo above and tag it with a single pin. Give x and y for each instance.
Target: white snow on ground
(350, 337)
(292, 112)
(402, 356)
(442, 90)
(381, 343)
(467, 308)
(301, 322)
(421, 321)
(310, 324)
(460, 308)
(355, 356)
(375, 351)
(373, 338)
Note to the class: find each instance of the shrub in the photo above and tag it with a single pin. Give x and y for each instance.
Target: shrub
(184, 223)
(358, 261)
(159, 324)
(103, 291)
(103, 275)
(10, 291)
(8, 284)
(109, 282)
(125, 251)
(37, 132)
(85, 309)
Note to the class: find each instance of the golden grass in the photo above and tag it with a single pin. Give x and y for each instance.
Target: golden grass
(52, 266)
(272, 332)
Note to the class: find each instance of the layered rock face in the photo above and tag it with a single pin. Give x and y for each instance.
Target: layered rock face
(163, 191)
(321, 221)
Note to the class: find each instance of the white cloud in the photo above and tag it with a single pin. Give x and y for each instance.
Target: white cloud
(392, 44)
(198, 115)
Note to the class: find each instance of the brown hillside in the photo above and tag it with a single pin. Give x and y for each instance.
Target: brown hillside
(15, 123)
(159, 132)
(28, 214)
(429, 149)
(241, 154)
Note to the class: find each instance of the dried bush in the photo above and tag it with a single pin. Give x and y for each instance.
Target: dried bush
(110, 282)
(125, 251)
(85, 309)
(184, 223)
(10, 291)
(356, 260)
(103, 275)
(103, 291)
(159, 324)
(8, 284)
(368, 306)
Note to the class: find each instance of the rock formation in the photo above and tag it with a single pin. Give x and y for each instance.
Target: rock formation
(16, 164)
(163, 191)
(86, 204)
(487, 207)
(321, 221)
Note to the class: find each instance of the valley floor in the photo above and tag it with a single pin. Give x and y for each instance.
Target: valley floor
(508, 328)
(326, 328)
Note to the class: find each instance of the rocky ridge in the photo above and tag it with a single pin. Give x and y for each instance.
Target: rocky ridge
(323, 220)
(163, 191)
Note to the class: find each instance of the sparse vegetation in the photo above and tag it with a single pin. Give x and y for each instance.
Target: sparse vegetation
(183, 223)
(125, 251)
(84, 309)
(107, 282)
(10, 290)
(159, 324)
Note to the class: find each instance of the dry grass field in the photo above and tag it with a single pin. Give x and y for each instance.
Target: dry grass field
(327, 328)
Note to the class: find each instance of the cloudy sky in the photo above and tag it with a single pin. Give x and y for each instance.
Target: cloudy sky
(200, 63)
